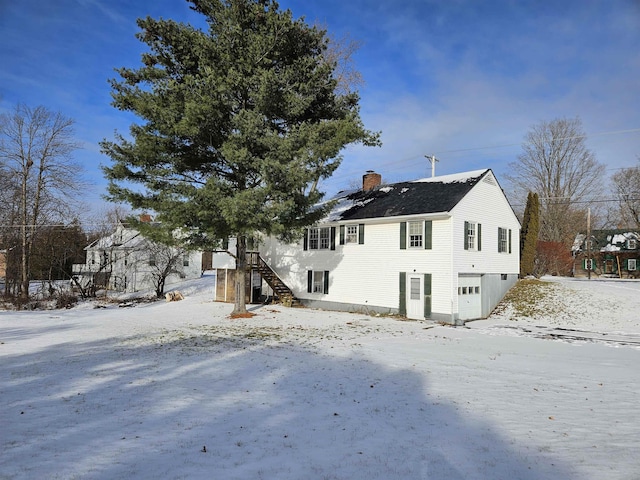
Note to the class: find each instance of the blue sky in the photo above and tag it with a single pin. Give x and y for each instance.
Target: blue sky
(461, 79)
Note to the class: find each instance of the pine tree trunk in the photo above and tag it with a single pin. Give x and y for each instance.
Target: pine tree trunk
(240, 306)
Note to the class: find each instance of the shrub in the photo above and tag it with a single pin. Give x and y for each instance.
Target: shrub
(66, 300)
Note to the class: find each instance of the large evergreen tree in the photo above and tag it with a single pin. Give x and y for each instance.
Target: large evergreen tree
(239, 123)
(529, 235)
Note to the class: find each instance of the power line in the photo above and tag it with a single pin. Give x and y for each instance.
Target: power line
(572, 202)
(419, 156)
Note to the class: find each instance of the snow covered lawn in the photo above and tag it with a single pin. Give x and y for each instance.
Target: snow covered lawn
(180, 391)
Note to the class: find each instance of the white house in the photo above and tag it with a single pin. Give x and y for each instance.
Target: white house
(443, 248)
(126, 261)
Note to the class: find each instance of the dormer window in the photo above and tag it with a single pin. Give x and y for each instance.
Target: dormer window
(632, 244)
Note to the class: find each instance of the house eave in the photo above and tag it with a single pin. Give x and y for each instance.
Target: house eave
(391, 219)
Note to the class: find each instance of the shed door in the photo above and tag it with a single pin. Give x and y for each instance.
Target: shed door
(469, 298)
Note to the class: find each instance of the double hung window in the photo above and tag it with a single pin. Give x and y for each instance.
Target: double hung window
(472, 236)
(319, 238)
(317, 281)
(351, 234)
(415, 234)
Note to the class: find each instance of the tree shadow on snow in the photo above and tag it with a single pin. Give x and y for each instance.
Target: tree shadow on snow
(226, 407)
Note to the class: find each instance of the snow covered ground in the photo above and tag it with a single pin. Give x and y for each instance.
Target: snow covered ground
(181, 391)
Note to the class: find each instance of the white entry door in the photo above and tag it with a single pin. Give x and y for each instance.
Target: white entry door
(415, 297)
(469, 297)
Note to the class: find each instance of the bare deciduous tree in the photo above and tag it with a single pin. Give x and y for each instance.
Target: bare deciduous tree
(556, 164)
(626, 183)
(35, 155)
(163, 260)
(340, 51)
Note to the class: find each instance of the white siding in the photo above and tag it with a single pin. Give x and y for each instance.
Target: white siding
(487, 205)
(484, 204)
(368, 274)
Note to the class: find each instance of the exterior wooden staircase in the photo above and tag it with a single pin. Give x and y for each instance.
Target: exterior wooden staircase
(280, 289)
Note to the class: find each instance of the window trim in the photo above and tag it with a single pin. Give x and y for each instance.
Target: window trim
(422, 240)
(415, 239)
(635, 264)
(476, 244)
(319, 238)
(632, 244)
(315, 287)
(357, 238)
(504, 244)
(470, 235)
(351, 237)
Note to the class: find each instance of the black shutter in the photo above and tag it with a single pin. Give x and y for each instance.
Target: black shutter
(427, 295)
(403, 235)
(361, 234)
(309, 281)
(332, 240)
(305, 240)
(402, 304)
(499, 237)
(428, 227)
(479, 237)
(509, 240)
(326, 281)
(341, 234)
(465, 237)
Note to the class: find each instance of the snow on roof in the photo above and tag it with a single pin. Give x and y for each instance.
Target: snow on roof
(610, 240)
(454, 177)
(424, 196)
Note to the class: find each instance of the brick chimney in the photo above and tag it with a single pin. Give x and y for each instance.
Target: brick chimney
(145, 218)
(371, 180)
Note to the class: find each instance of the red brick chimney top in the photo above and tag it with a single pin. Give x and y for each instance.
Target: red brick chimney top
(371, 180)
(145, 218)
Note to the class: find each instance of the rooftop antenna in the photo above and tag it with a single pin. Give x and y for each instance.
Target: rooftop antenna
(433, 161)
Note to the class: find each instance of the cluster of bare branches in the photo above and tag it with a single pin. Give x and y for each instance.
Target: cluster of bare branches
(38, 179)
(557, 165)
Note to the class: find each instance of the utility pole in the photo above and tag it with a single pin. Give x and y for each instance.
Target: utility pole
(589, 261)
(433, 161)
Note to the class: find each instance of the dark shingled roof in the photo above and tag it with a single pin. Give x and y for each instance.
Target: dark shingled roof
(405, 198)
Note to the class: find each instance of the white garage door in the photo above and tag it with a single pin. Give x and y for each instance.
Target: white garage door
(469, 298)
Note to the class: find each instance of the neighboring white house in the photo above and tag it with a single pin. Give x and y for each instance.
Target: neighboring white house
(444, 248)
(125, 261)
